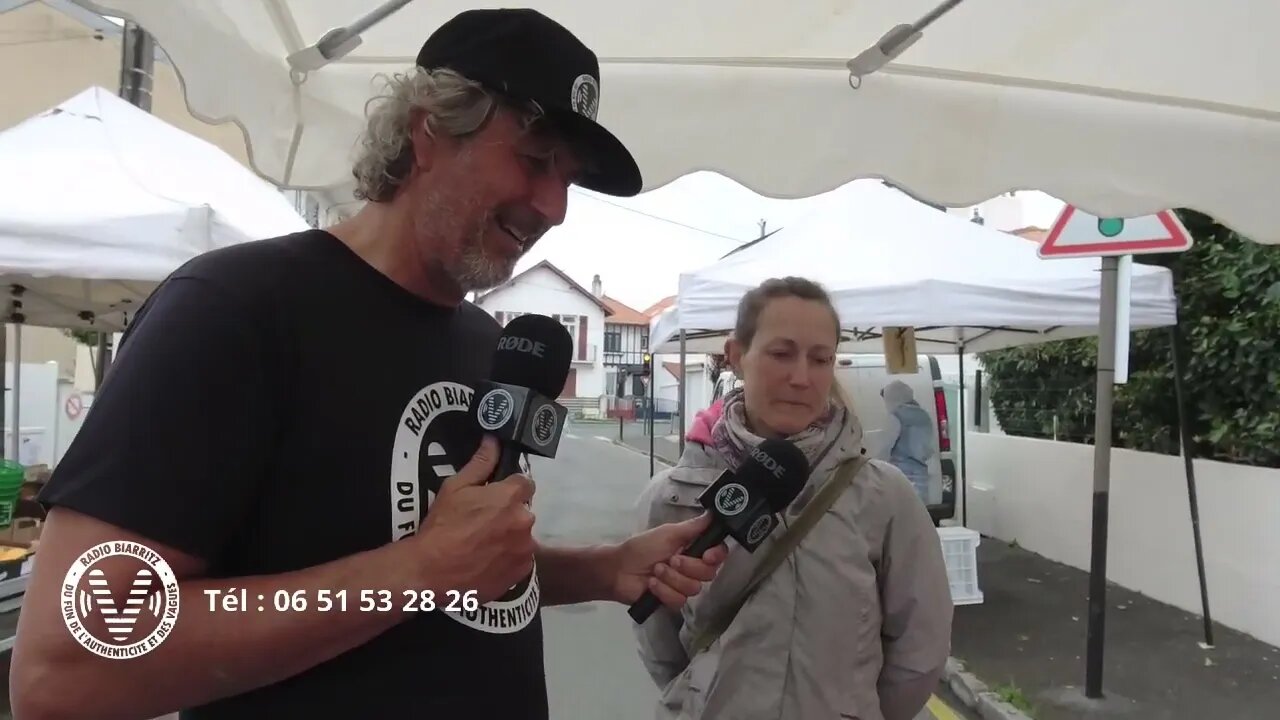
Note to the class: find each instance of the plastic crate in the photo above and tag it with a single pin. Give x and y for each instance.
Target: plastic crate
(960, 551)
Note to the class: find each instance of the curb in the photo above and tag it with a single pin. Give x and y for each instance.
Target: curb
(638, 451)
(976, 695)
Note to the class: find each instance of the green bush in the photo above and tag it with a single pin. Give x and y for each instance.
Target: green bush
(1228, 291)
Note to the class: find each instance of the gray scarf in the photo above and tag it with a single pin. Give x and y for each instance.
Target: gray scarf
(731, 438)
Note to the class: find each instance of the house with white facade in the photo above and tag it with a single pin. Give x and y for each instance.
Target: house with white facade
(546, 290)
(626, 340)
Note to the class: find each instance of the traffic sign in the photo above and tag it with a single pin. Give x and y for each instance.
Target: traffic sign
(74, 406)
(1076, 233)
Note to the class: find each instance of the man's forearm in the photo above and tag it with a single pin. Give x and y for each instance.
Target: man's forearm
(577, 575)
(216, 653)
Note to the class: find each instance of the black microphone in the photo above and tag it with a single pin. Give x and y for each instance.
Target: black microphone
(517, 403)
(743, 505)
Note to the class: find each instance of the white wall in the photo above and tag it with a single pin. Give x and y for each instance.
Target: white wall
(542, 291)
(1000, 213)
(1040, 493)
(697, 393)
(37, 390)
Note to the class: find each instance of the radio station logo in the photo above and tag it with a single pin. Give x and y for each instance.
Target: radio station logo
(759, 529)
(495, 409)
(544, 425)
(126, 614)
(732, 499)
(435, 437)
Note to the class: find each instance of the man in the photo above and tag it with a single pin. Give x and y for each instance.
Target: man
(283, 412)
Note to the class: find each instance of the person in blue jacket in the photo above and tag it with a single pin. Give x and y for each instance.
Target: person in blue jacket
(909, 436)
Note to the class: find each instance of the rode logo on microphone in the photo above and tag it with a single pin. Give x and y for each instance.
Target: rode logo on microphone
(523, 345)
(768, 462)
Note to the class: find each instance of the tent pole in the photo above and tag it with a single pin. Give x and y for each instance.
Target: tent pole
(1184, 440)
(15, 438)
(4, 352)
(1096, 633)
(964, 448)
(653, 381)
(137, 66)
(137, 73)
(683, 389)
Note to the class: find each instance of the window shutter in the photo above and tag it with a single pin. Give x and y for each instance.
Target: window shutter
(582, 337)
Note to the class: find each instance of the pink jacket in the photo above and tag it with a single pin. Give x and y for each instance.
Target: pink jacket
(704, 421)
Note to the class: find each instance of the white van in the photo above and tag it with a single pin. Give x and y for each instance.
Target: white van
(863, 377)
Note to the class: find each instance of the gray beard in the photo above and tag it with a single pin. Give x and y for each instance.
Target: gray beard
(472, 269)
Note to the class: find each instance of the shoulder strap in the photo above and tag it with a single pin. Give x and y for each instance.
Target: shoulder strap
(809, 517)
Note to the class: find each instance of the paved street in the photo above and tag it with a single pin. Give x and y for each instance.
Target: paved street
(586, 495)
(583, 497)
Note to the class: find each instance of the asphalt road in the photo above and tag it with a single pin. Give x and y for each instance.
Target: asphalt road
(587, 495)
(584, 496)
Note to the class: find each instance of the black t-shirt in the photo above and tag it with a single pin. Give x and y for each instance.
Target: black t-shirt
(280, 404)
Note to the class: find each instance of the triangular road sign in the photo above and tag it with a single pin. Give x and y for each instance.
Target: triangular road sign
(1076, 233)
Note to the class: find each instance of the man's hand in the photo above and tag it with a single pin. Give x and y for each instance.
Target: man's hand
(479, 536)
(651, 561)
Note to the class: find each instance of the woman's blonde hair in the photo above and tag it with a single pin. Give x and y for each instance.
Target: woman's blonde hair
(757, 298)
(841, 396)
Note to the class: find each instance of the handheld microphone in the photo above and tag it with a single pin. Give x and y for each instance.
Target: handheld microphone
(517, 403)
(743, 505)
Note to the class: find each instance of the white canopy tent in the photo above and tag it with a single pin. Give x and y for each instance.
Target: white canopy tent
(891, 261)
(100, 200)
(1120, 108)
(888, 260)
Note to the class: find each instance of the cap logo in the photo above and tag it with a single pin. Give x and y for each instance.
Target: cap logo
(585, 96)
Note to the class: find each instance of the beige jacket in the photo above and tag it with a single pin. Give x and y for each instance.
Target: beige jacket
(856, 623)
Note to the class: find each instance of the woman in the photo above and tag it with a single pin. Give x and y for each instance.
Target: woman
(856, 621)
(909, 438)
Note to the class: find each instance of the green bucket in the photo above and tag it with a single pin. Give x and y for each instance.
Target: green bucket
(12, 475)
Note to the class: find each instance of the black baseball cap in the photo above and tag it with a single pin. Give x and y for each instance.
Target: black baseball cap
(526, 56)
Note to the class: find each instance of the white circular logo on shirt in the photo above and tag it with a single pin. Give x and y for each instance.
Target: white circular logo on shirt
(437, 420)
(138, 620)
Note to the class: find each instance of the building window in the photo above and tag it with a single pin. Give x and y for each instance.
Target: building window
(644, 340)
(505, 316)
(570, 323)
(612, 341)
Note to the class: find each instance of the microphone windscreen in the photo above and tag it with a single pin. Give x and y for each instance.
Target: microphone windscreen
(779, 469)
(534, 351)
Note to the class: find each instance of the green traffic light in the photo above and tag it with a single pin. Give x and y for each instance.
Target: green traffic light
(1110, 227)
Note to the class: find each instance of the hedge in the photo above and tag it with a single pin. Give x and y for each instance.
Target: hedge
(1228, 290)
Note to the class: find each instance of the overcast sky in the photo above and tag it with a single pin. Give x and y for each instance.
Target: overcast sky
(639, 246)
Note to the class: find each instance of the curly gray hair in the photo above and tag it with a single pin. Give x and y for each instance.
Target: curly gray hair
(454, 105)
